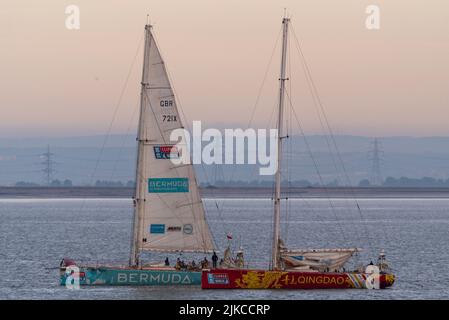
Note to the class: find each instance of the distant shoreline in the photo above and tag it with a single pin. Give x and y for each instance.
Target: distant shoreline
(231, 192)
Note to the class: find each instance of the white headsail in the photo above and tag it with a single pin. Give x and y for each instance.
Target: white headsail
(169, 211)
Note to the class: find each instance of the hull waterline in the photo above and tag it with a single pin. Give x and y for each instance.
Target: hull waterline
(264, 279)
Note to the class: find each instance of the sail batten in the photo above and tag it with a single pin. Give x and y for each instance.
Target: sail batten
(164, 225)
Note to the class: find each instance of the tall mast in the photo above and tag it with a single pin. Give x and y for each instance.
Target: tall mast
(275, 254)
(139, 196)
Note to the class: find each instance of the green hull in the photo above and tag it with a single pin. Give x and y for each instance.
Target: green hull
(132, 277)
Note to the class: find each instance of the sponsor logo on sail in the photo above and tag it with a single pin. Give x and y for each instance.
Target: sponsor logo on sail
(166, 152)
(168, 185)
(187, 228)
(157, 228)
(174, 228)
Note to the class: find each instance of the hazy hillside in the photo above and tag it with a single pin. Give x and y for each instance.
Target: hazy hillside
(81, 159)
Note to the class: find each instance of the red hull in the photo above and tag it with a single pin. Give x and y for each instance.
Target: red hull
(263, 279)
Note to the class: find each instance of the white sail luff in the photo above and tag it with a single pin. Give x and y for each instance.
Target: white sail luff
(138, 193)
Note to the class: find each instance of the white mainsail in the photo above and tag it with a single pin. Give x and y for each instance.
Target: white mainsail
(169, 212)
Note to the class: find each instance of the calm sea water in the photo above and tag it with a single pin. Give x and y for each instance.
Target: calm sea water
(36, 234)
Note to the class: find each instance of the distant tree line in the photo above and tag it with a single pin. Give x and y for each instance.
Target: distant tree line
(114, 184)
(53, 183)
(388, 182)
(264, 184)
(409, 182)
(68, 183)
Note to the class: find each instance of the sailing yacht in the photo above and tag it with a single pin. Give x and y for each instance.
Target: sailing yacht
(298, 268)
(168, 212)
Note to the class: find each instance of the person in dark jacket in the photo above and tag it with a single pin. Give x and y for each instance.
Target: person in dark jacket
(214, 260)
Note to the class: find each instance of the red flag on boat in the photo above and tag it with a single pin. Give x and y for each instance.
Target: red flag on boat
(229, 236)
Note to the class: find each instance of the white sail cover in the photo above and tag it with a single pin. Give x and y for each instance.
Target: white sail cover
(170, 213)
(317, 259)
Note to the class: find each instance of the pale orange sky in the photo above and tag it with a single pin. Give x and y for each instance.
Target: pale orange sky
(392, 81)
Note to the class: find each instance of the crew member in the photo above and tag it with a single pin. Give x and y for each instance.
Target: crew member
(214, 260)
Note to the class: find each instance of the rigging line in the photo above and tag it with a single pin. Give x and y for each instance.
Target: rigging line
(254, 168)
(326, 138)
(314, 212)
(264, 79)
(315, 97)
(260, 90)
(268, 125)
(320, 104)
(289, 145)
(309, 206)
(117, 105)
(114, 115)
(220, 211)
(320, 218)
(122, 147)
(317, 170)
(328, 143)
(216, 203)
(257, 102)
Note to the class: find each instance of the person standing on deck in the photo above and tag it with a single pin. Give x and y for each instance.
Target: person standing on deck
(214, 260)
(205, 263)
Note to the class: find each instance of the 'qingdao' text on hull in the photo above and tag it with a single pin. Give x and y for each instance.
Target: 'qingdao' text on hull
(265, 279)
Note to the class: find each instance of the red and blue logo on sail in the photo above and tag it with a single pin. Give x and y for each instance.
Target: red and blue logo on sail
(166, 152)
